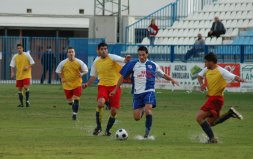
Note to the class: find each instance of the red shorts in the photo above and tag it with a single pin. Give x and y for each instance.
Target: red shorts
(104, 91)
(74, 92)
(23, 82)
(213, 105)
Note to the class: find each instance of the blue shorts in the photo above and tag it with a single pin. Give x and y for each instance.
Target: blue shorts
(140, 100)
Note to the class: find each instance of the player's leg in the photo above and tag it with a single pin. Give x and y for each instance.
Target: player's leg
(115, 104)
(19, 85)
(232, 113)
(69, 98)
(77, 92)
(148, 123)
(201, 118)
(150, 103)
(27, 91)
(99, 116)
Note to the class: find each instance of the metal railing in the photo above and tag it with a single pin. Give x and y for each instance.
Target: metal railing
(187, 53)
(164, 17)
(47, 52)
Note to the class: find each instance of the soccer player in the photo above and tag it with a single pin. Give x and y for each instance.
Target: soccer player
(106, 68)
(71, 71)
(22, 63)
(214, 78)
(143, 73)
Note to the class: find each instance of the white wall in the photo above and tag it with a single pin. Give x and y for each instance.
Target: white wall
(59, 7)
(71, 7)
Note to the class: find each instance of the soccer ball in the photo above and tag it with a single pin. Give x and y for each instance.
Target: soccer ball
(121, 134)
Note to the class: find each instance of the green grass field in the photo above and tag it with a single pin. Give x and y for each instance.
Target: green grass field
(46, 130)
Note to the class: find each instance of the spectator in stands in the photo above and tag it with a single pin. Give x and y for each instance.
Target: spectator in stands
(217, 28)
(198, 47)
(152, 31)
(48, 62)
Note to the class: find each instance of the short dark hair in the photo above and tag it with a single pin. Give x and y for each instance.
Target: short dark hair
(103, 44)
(19, 45)
(143, 48)
(211, 57)
(69, 48)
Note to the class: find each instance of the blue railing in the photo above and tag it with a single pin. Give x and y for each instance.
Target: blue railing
(164, 17)
(177, 53)
(39, 46)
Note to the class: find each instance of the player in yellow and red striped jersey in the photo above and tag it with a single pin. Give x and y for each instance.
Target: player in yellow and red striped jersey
(71, 71)
(22, 63)
(216, 79)
(106, 68)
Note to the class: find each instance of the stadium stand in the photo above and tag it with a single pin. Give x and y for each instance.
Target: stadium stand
(235, 15)
(173, 41)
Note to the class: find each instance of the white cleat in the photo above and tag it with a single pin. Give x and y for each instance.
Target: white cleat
(236, 114)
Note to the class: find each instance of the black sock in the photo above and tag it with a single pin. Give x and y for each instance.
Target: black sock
(223, 118)
(110, 123)
(20, 97)
(75, 106)
(98, 120)
(70, 103)
(27, 95)
(207, 129)
(148, 123)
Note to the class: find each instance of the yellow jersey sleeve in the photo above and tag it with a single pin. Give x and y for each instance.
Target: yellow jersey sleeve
(107, 69)
(20, 61)
(72, 73)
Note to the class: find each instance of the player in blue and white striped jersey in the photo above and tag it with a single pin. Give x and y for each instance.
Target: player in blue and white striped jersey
(143, 73)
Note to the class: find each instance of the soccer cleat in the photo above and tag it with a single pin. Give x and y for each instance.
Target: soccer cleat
(235, 113)
(27, 104)
(213, 141)
(146, 134)
(74, 117)
(20, 105)
(108, 133)
(97, 131)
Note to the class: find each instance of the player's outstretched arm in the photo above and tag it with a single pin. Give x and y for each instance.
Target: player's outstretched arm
(89, 82)
(239, 79)
(168, 78)
(120, 81)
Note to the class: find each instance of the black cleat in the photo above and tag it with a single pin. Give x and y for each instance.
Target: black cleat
(27, 104)
(97, 131)
(74, 117)
(146, 135)
(213, 141)
(108, 133)
(20, 105)
(235, 113)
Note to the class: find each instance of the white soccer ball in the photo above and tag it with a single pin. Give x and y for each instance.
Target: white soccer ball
(121, 134)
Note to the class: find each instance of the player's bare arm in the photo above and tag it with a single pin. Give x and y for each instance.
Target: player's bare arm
(168, 78)
(202, 85)
(127, 58)
(120, 81)
(12, 72)
(239, 79)
(89, 82)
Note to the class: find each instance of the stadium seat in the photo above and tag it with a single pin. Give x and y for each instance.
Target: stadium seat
(145, 41)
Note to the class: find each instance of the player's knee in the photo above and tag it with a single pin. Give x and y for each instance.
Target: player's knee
(199, 119)
(137, 118)
(101, 103)
(148, 112)
(113, 112)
